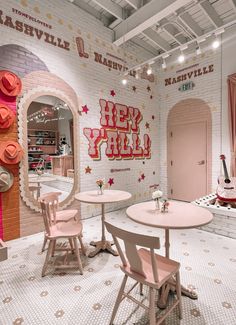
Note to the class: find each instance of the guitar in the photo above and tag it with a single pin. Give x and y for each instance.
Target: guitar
(226, 190)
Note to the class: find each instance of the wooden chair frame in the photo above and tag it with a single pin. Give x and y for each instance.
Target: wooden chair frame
(133, 267)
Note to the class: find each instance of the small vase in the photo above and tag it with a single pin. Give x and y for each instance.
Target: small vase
(157, 204)
(100, 190)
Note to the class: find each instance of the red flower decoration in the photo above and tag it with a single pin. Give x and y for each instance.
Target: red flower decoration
(112, 92)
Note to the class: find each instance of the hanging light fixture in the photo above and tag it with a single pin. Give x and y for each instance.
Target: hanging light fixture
(181, 58)
(216, 43)
(149, 70)
(163, 64)
(198, 50)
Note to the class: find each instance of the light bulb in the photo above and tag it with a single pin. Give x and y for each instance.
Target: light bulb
(149, 71)
(181, 58)
(124, 81)
(216, 44)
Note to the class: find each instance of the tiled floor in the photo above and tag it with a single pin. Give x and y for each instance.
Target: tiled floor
(208, 264)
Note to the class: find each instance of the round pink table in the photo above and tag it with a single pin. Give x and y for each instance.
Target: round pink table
(180, 215)
(108, 196)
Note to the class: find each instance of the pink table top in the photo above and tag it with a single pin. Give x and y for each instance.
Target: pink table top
(180, 215)
(108, 196)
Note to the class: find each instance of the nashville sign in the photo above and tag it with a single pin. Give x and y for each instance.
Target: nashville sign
(120, 125)
(32, 31)
(189, 75)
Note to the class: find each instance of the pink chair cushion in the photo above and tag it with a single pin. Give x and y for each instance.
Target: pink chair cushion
(166, 267)
(65, 229)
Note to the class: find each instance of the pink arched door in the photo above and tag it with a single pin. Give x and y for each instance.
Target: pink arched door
(189, 150)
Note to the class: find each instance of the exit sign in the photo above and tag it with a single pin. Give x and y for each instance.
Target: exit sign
(186, 86)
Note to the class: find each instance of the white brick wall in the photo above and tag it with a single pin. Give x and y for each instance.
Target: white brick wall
(91, 81)
(207, 88)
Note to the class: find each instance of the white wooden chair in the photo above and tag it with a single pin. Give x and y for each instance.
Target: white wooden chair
(146, 268)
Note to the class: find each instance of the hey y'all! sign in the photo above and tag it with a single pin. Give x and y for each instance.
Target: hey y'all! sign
(120, 131)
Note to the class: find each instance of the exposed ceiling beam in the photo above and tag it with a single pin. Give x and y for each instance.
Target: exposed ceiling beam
(179, 47)
(110, 7)
(157, 39)
(233, 2)
(136, 4)
(144, 45)
(211, 13)
(90, 10)
(172, 31)
(145, 17)
(115, 23)
(190, 23)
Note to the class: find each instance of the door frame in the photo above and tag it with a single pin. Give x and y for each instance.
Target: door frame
(189, 111)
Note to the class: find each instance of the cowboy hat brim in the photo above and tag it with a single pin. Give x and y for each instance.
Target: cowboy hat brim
(8, 185)
(14, 92)
(10, 119)
(8, 160)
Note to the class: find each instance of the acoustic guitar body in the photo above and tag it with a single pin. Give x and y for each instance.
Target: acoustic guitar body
(226, 190)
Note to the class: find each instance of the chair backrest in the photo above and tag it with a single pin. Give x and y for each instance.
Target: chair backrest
(47, 215)
(53, 199)
(131, 241)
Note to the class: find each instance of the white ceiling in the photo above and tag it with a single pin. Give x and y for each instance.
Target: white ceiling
(160, 26)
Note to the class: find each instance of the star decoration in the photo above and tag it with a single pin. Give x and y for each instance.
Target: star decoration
(148, 88)
(112, 93)
(134, 88)
(88, 170)
(143, 176)
(111, 181)
(153, 117)
(147, 125)
(85, 109)
(139, 180)
(151, 97)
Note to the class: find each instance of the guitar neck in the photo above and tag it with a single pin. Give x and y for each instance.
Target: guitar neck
(225, 170)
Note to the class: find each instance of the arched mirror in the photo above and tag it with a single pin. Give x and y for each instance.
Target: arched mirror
(48, 138)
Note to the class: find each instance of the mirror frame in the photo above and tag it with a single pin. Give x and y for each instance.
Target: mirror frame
(23, 106)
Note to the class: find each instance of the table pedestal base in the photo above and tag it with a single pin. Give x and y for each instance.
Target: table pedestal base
(170, 287)
(102, 245)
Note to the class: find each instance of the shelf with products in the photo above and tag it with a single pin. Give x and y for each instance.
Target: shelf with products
(41, 145)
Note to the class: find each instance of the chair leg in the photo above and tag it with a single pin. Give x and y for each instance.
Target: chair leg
(152, 314)
(78, 255)
(118, 299)
(44, 243)
(178, 292)
(141, 289)
(53, 247)
(71, 245)
(81, 244)
(49, 254)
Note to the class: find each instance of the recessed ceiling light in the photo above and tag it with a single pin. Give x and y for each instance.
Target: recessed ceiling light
(124, 81)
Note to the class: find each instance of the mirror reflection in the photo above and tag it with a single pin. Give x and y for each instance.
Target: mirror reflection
(50, 147)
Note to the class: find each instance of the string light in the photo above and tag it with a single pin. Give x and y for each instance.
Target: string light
(181, 58)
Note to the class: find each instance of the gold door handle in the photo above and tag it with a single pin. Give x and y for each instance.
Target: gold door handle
(201, 162)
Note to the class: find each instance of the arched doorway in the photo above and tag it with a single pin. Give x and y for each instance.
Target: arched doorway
(189, 132)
